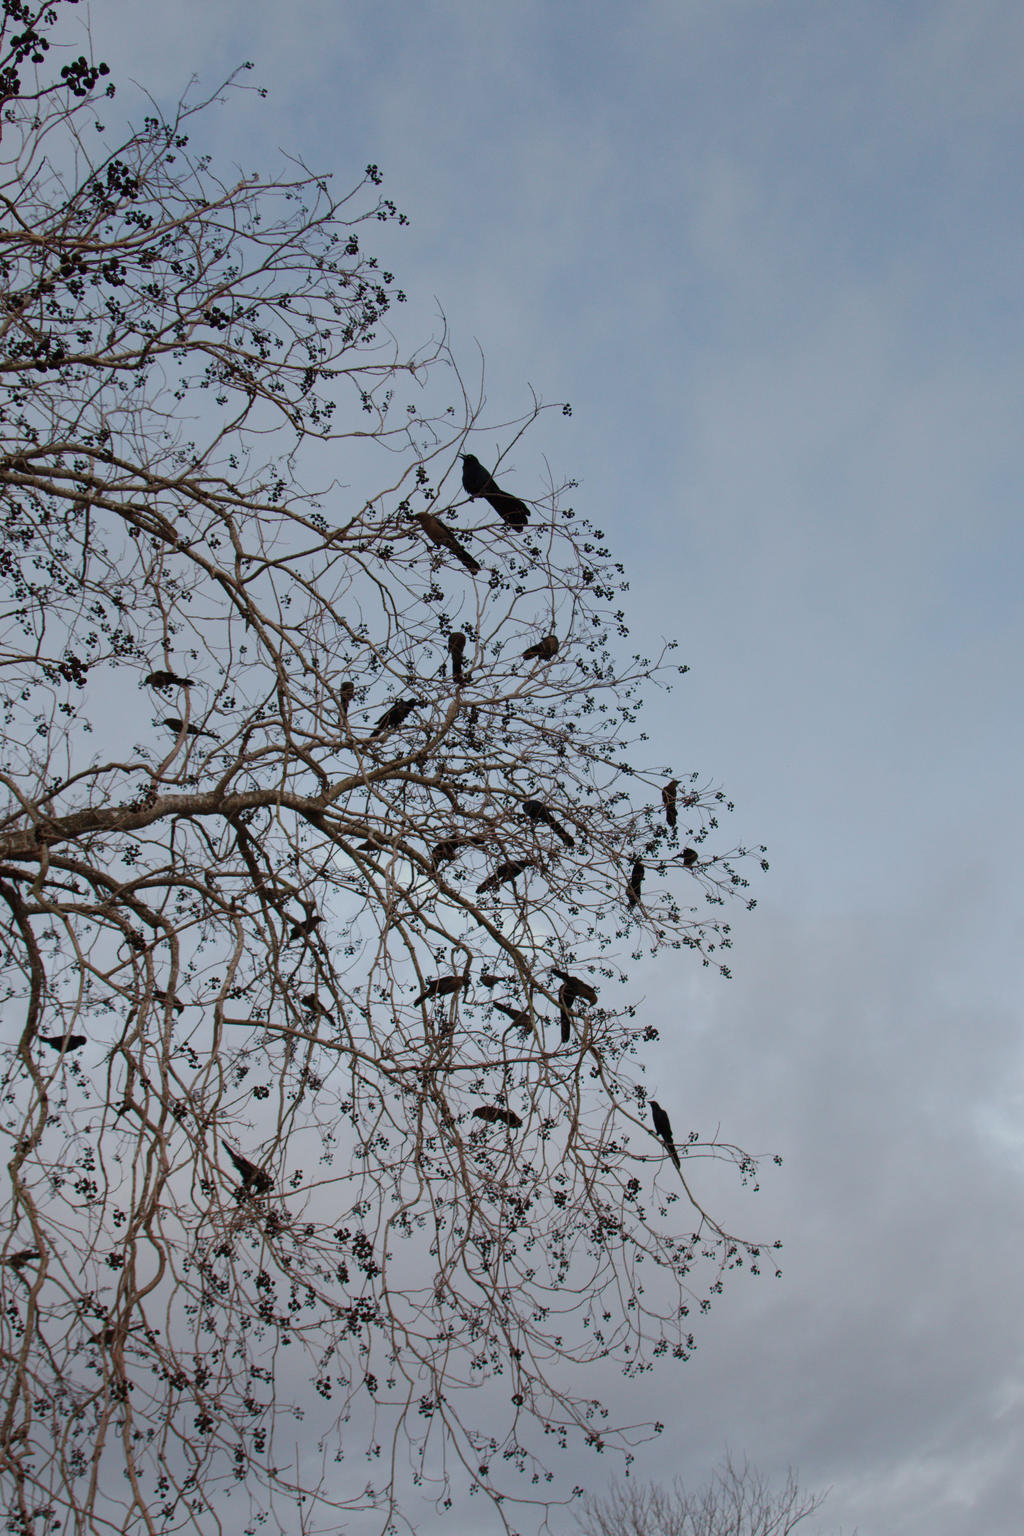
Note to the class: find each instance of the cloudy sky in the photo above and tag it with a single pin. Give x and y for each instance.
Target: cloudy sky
(771, 252)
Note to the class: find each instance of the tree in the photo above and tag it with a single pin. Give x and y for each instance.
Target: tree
(253, 826)
(737, 1501)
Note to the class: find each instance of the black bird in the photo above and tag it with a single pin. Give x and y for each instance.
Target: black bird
(536, 810)
(442, 986)
(456, 646)
(492, 1115)
(22, 1257)
(543, 650)
(520, 1016)
(64, 1042)
(476, 481)
(668, 800)
(177, 726)
(577, 986)
(443, 537)
(566, 998)
(305, 928)
(168, 680)
(346, 693)
(690, 857)
(162, 997)
(392, 718)
(636, 880)
(252, 1176)
(505, 874)
(488, 979)
(446, 850)
(663, 1130)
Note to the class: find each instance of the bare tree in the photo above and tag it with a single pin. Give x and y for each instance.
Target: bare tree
(736, 1501)
(324, 1101)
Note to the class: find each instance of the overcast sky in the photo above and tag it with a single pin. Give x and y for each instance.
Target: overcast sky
(772, 254)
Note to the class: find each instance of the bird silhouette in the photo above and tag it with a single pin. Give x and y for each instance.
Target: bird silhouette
(668, 800)
(544, 650)
(663, 1130)
(168, 680)
(443, 537)
(392, 718)
(177, 726)
(477, 481)
(577, 986)
(252, 1176)
(690, 857)
(64, 1042)
(536, 810)
(305, 928)
(346, 693)
(446, 850)
(520, 1016)
(442, 986)
(488, 979)
(162, 997)
(492, 1115)
(505, 874)
(456, 646)
(636, 880)
(566, 998)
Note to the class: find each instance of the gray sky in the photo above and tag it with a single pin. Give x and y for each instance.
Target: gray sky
(771, 252)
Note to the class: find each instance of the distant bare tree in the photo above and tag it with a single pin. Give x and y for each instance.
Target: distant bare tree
(322, 1098)
(736, 1501)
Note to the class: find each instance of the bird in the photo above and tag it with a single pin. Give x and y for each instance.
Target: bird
(505, 874)
(168, 680)
(456, 646)
(64, 1042)
(566, 998)
(477, 481)
(663, 1130)
(636, 880)
(544, 650)
(252, 1176)
(536, 810)
(668, 800)
(520, 1016)
(393, 717)
(177, 726)
(488, 979)
(442, 986)
(22, 1257)
(690, 857)
(305, 928)
(492, 1115)
(577, 986)
(346, 693)
(163, 997)
(446, 850)
(443, 537)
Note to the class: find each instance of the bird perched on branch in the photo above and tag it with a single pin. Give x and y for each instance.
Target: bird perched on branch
(443, 537)
(477, 481)
(492, 1115)
(488, 979)
(505, 874)
(22, 1257)
(442, 986)
(305, 928)
(446, 850)
(252, 1176)
(668, 800)
(162, 997)
(663, 1130)
(64, 1042)
(566, 998)
(392, 718)
(544, 650)
(346, 693)
(456, 647)
(690, 857)
(520, 1016)
(168, 680)
(177, 726)
(576, 986)
(636, 880)
(536, 810)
